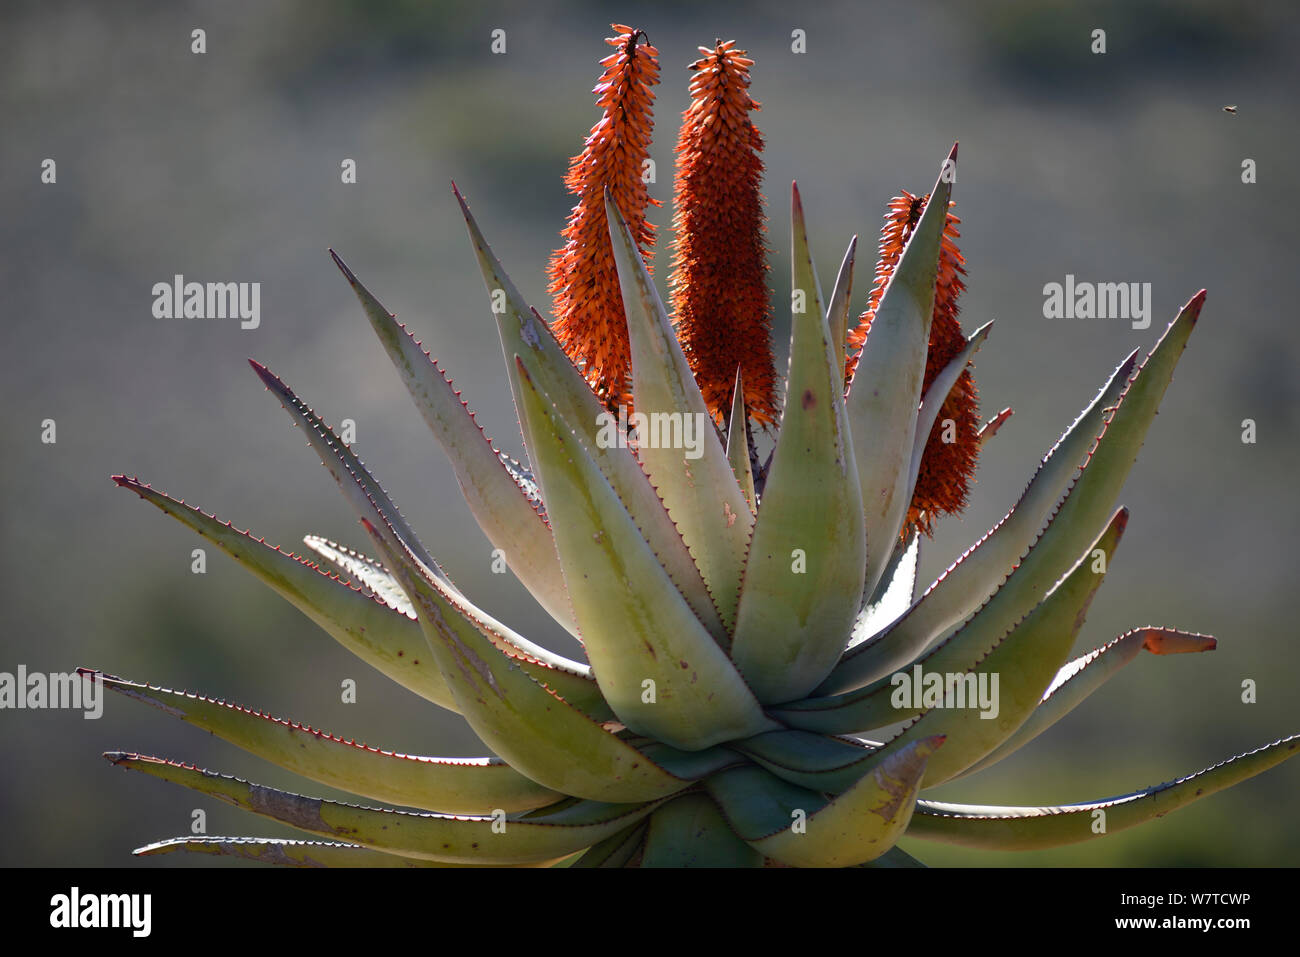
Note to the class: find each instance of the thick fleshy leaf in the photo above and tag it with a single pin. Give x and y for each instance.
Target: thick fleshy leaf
(524, 333)
(885, 394)
(436, 837)
(662, 673)
(446, 785)
(615, 851)
(366, 496)
(817, 762)
(383, 638)
(797, 826)
(879, 703)
(969, 581)
(365, 572)
(693, 478)
(894, 857)
(991, 427)
(896, 592)
(936, 395)
(535, 731)
(802, 586)
(1075, 681)
(498, 492)
(689, 831)
(738, 443)
(997, 689)
(290, 853)
(1094, 492)
(837, 308)
(1033, 828)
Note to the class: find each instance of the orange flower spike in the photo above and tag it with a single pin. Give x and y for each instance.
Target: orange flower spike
(719, 290)
(947, 468)
(589, 319)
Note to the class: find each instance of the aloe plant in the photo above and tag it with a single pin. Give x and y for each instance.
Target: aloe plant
(747, 624)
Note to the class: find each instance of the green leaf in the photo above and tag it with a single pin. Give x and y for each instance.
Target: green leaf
(1022, 664)
(802, 586)
(447, 785)
(536, 732)
(615, 851)
(660, 670)
(969, 582)
(877, 704)
(885, 393)
(1033, 828)
(385, 639)
(366, 496)
(524, 333)
(818, 762)
(1077, 680)
(689, 831)
(935, 397)
(894, 857)
(799, 827)
(496, 489)
(290, 853)
(896, 592)
(367, 573)
(837, 309)
(738, 443)
(436, 837)
(696, 483)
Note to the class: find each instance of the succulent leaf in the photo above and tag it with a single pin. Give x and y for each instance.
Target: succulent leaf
(435, 837)
(690, 831)
(524, 333)
(618, 850)
(937, 394)
(383, 638)
(738, 450)
(290, 853)
(802, 586)
(496, 492)
(660, 670)
(896, 591)
(522, 721)
(1023, 663)
(968, 582)
(885, 393)
(700, 492)
(366, 496)
(800, 827)
(1032, 828)
(365, 572)
(818, 762)
(1077, 680)
(446, 785)
(837, 308)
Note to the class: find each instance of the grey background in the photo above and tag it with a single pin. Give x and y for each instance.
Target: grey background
(225, 166)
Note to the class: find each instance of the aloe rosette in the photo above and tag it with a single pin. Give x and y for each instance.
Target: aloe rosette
(745, 624)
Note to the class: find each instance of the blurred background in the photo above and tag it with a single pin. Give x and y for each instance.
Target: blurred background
(226, 167)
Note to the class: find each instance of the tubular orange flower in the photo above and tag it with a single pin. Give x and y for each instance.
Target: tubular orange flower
(947, 468)
(719, 293)
(588, 306)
